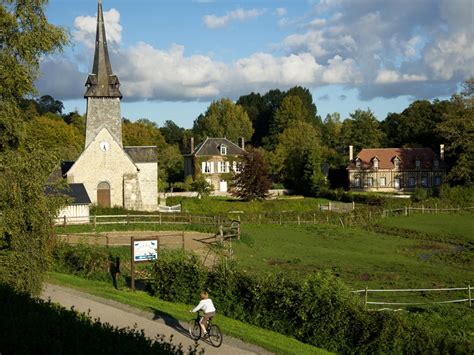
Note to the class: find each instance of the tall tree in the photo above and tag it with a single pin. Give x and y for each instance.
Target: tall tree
(252, 182)
(362, 130)
(298, 157)
(457, 131)
(223, 118)
(26, 214)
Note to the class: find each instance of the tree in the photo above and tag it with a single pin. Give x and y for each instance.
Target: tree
(298, 157)
(201, 186)
(223, 118)
(26, 213)
(172, 133)
(142, 132)
(47, 103)
(457, 131)
(362, 130)
(252, 182)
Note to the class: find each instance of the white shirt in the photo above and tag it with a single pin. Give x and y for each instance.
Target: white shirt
(206, 305)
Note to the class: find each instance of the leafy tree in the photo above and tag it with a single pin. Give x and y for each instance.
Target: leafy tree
(416, 125)
(252, 182)
(171, 165)
(172, 133)
(291, 109)
(47, 103)
(331, 131)
(75, 119)
(298, 157)
(142, 132)
(223, 118)
(457, 130)
(201, 186)
(362, 130)
(26, 213)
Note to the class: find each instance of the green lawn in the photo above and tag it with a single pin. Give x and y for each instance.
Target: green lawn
(265, 338)
(359, 257)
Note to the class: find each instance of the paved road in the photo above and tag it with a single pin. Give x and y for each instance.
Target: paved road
(121, 316)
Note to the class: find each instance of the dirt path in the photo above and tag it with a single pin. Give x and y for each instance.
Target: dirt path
(121, 316)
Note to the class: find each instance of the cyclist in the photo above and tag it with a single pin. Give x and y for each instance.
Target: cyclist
(208, 308)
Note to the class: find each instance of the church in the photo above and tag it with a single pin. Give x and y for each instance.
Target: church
(112, 175)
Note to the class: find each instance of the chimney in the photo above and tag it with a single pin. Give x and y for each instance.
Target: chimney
(351, 152)
(191, 145)
(242, 143)
(441, 151)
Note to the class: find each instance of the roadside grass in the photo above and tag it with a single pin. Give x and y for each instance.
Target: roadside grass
(267, 339)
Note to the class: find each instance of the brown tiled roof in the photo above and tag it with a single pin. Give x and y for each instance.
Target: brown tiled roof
(407, 156)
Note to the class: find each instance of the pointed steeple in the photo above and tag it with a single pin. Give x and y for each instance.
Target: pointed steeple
(101, 82)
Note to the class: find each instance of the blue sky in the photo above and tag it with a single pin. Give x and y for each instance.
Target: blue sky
(174, 57)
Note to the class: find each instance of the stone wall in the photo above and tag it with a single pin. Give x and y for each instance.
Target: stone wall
(148, 181)
(103, 112)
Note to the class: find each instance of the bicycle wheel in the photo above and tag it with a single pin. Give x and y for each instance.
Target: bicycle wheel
(194, 329)
(215, 336)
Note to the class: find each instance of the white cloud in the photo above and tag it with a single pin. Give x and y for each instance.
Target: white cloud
(213, 22)
(280, 11)
(392, 76)
(86, 28)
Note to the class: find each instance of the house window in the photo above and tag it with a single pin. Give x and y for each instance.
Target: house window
(417, 163)
(424, 181)
(437, 180)
(383, 181)
(223, 150)
(237, 166)
(370, 182)
(411, 181)
(376, 163)
(436, 163)
(358, 163)
(207, 167)
(221, 167)
(357, 182)
(396, 163)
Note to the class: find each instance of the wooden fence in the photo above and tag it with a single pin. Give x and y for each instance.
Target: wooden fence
(366, 292)
(406, 211)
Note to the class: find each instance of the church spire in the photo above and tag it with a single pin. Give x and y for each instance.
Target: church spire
(101, 82)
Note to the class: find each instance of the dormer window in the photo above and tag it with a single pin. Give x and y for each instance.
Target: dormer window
(396, 163)
(358, 163)
(417, 163)
(375, 163)
(223, 149)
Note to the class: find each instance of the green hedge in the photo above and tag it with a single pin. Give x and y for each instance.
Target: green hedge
(33, 326)
(319, 310)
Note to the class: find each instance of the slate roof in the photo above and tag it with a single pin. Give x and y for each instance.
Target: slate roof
(102, 82)
(407, 156)
(77, 192)
(144, 154)
(210, 147)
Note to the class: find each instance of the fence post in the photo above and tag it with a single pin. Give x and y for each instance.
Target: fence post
(160, 218)
(182, 238)
(422, 208)
(329, 206)
(65, 221)
(366, 297)
(95, 221)
(353, 205)
(406, 211)
(128, 218)
(259, 218)
(132, 264)
(299, 220)
(314, 218)
(470, 299)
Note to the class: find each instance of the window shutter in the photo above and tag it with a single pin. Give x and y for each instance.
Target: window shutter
(212, 167)
(203, 168)
(227, 167)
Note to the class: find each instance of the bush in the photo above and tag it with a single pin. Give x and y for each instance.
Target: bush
(419, 194)
(178, 276)
(319, 310)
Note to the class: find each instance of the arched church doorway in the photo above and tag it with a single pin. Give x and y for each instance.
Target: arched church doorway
(103, 194)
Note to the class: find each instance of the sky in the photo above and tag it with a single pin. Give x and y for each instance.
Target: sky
(174, 57)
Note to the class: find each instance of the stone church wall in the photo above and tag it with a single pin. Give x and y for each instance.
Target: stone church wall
(148, 180)
(103, 112)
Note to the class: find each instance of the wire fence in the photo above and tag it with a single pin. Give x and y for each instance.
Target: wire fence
(466, 297)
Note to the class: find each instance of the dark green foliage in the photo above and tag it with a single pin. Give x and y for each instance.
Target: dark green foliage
(83, 260)
(318, 309)
(33, 326)
(178, 277)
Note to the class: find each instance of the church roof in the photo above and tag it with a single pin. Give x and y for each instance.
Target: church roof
(102, 82)
(143, 154)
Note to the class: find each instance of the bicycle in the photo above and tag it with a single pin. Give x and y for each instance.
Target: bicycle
(214, 333)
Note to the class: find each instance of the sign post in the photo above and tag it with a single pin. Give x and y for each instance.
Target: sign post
(142, 249)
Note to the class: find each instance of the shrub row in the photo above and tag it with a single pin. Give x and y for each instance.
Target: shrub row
(33, 326)
(319, 310)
